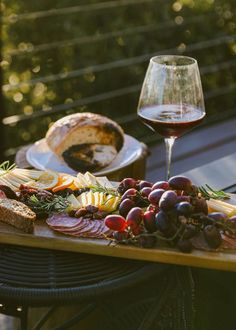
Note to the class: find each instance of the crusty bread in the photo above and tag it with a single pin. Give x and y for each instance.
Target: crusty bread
(17, 214)
(85, 129)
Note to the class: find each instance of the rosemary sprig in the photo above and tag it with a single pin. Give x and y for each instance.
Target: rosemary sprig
(6, 167)
(109, 191)
(48, 205)
(208, 193)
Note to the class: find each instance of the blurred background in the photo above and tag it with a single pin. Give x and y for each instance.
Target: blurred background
(60, 57)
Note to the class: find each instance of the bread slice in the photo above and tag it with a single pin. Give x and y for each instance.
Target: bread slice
(17, 214)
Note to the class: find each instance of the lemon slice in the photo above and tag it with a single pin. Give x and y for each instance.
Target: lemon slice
(47, 180)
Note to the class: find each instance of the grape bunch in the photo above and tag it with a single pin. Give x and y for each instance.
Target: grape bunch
(173, 211)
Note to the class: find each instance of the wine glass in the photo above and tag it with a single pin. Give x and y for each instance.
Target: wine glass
(171, 100)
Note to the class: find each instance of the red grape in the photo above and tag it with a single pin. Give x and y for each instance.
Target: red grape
(180, 183)
(168, 200)
(125, 206)
(161, 185)
(115, 222)
(155, 196)
(146, 191)
(149, 221)
(134, 217)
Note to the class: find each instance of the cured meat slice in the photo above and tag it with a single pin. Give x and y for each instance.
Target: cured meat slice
(62, 220)
(86, 229)
(78, 227)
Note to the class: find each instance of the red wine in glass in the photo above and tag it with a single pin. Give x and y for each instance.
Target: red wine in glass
(171, 100)
(171, 120)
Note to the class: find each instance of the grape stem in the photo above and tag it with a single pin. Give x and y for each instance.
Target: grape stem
(134, 239)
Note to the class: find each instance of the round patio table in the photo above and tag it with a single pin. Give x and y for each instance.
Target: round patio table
(125, 294)
(32, 277)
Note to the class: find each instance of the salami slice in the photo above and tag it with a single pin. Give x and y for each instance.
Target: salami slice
(62, 221)
(78, 227)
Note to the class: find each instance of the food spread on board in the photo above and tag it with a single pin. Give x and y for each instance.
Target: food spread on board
(85, 141)
(173, 213)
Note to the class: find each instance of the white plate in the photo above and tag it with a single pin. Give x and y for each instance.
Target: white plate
(41, 157)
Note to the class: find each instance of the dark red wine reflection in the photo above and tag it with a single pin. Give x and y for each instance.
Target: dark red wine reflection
(171, 120)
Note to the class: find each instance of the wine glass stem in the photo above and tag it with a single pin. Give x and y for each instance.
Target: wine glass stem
(169, 142)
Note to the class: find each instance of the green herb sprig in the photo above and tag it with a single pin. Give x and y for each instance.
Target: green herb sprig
(208, 193)
(48, 205)
(109, 191)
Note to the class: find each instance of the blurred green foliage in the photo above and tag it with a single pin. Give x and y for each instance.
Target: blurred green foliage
(60, 54)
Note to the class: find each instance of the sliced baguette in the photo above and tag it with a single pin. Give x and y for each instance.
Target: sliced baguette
(17, 214)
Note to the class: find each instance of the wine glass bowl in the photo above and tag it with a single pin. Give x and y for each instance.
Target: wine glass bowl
(171, 100)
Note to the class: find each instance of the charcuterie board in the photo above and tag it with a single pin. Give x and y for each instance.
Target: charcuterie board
(44, 237)
(95, 207)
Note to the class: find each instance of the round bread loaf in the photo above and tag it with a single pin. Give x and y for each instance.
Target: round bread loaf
(85, 141)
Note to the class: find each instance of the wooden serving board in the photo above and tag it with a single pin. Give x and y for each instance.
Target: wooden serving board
(44, 237)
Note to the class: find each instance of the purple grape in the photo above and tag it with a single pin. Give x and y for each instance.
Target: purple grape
(149, 221)
(161, 185)
(184, 208)
(168, 200)
(125, 206)
(162, 221)
(143, 184)
(126, 184)
(145, 191)
(180, 183)
(155, 195)
(130, 193)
